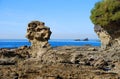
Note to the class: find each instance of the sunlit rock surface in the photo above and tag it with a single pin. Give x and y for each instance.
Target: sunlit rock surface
(39, 61)
(109, 37)
(38, 34)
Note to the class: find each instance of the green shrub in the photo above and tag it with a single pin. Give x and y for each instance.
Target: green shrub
(106, 12)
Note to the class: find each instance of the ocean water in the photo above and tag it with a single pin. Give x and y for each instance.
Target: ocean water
(15, 43)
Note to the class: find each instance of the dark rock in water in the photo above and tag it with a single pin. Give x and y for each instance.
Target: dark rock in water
(86, 39)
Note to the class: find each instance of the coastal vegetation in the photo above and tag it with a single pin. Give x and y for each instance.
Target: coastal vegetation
(106, 12)
(41, 61)
(106, 18)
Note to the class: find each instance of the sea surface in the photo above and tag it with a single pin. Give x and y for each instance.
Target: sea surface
(15, 43)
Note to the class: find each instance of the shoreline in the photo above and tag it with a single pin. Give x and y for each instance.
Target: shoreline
(62, 62)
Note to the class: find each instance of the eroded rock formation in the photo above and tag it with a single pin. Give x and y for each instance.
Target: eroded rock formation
(110, 37)
(66, 62)
(38, 34)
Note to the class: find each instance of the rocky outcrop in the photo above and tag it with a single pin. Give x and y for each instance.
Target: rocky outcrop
(66, 62)
(110, 37)
(105, 38)
(71, 63)
(38, 34)
(86, 39)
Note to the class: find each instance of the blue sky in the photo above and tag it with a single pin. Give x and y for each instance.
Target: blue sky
(68, 19)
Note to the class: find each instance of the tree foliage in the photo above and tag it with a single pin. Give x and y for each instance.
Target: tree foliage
(106, 12)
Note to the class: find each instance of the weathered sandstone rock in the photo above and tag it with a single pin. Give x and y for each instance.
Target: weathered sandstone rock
(66, 62)
(110, 37)
(38, 34)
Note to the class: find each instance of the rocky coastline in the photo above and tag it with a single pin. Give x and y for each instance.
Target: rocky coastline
(41, 61)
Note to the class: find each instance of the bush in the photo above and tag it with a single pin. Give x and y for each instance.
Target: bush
(106, 12)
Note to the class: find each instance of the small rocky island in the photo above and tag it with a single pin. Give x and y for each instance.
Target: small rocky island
(41, 61)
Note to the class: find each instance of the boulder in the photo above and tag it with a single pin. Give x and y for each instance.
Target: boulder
(86, 39)
(91, 49)
(38, 34)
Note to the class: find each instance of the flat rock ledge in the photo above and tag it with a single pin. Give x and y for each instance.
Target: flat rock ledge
(67, 62)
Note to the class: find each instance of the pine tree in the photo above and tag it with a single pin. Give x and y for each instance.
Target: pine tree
(106, 13)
